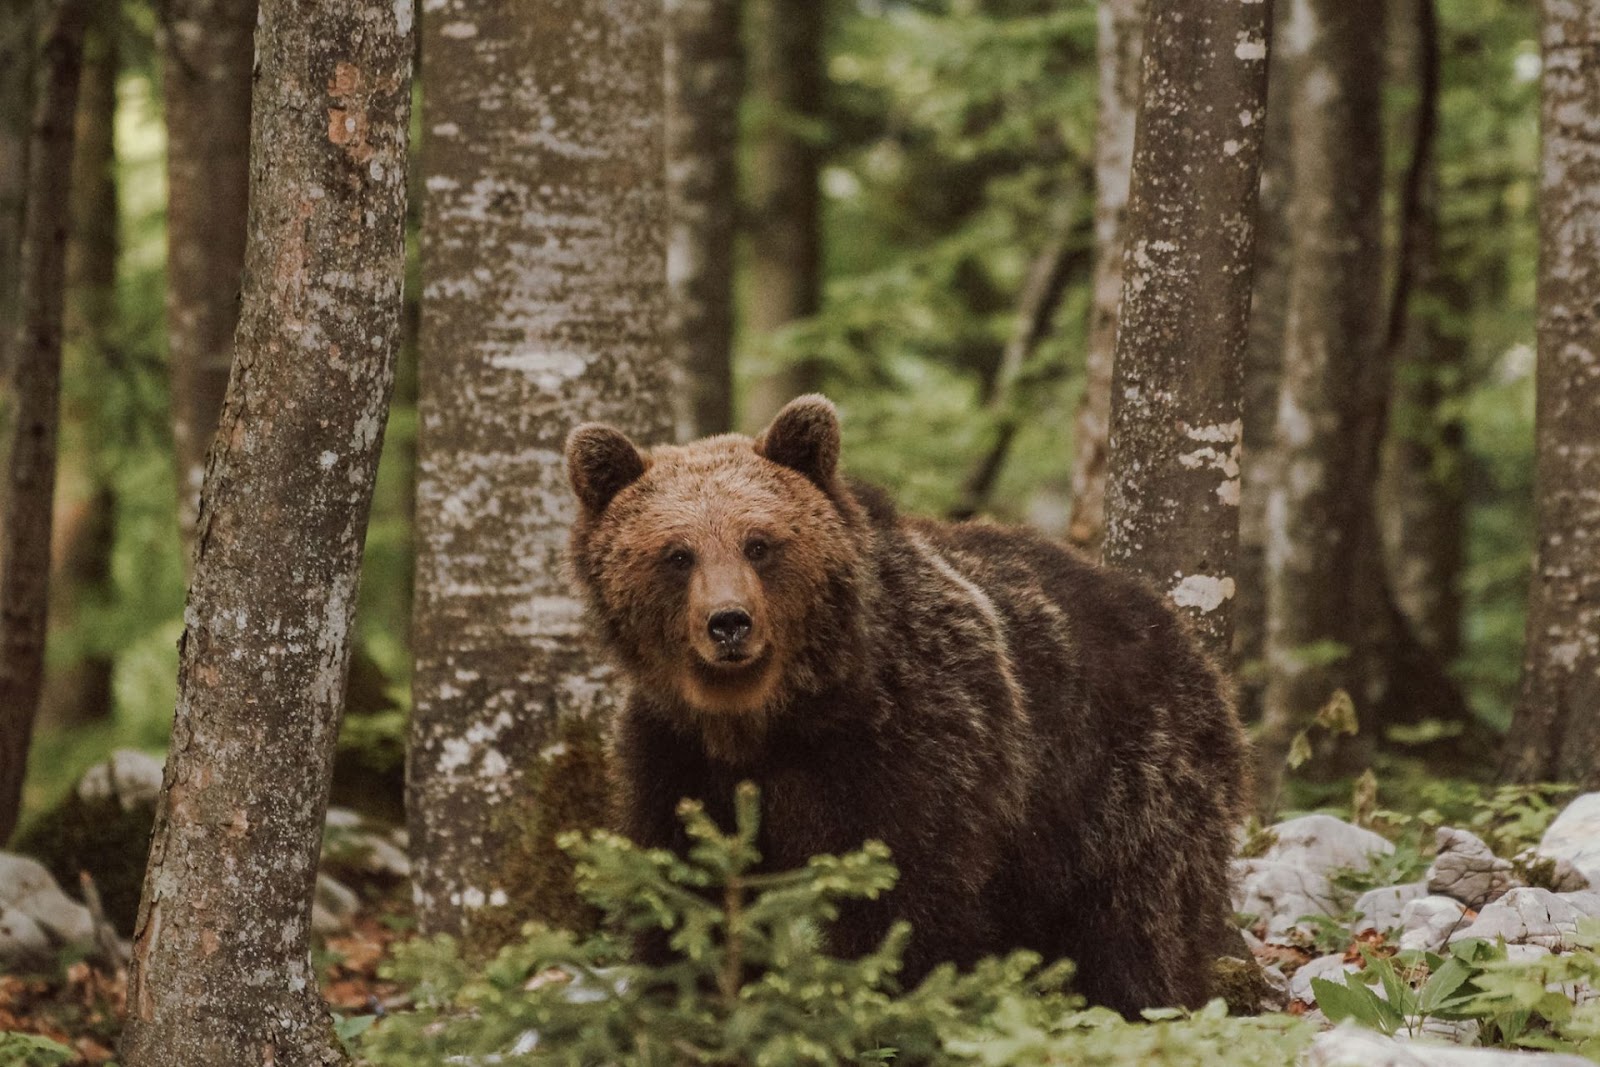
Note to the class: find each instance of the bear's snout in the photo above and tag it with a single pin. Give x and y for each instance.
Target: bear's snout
(729, 627)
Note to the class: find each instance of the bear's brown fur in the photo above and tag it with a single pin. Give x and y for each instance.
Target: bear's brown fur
(1051, 759)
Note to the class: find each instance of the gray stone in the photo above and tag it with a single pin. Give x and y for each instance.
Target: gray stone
(1428, 1028)
(333, 907)
(1427, 923)
(1324, 844)
(1530, 916)
(1350, 1046)
(354, 843)
(23, 943)
(1466, 870)
(1332, 967)
(1292, 878)
(131, 777)
(1575, 837)
(1380, 909)
(27, 887)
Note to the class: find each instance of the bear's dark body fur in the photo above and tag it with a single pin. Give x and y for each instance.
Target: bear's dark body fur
(1052, 761)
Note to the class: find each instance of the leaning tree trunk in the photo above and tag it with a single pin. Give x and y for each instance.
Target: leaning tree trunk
(1321, 500)
(35, 393)
(221, 970)
(786, 81)
(18, 33)
(705, 85)
(1172, 501)
(78, 691)
(208, 54)
(1555, 734)
(1119, 47)
(544, 283)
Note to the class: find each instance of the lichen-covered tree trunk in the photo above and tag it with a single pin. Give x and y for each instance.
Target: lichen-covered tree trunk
(1172, 500)
(18, 33)
(35, 392)
(544, 276)
(1118, 48)
(221, 970)
(207, 54)
(78, 689)
(705, 85)
(1555, 734)
(786, 82)
(1321, 499)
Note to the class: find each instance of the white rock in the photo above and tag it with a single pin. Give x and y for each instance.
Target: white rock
(26, 886)
(1555, 873)
(1350, 1046)
(352, 841)
(1466, 870)
(1575, 837)
(130, 777)
(1380, 909)
(1324, 844)
(1427, 923)
(1425, 1028)
(1292, 878)
(1332, 967)
(1531, 916)
(23, 943)
(333, 907)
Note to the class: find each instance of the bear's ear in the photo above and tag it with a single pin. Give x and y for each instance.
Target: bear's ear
(805, 437)
(601, 462)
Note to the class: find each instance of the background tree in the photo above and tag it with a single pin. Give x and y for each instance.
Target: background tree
(705, 86)
(28, 500)
(208, 56)
(221, 969)
(18, 31)
(1556, 731)
(544, 275)
(1119, 50)
(1173, 494)
(787, 79)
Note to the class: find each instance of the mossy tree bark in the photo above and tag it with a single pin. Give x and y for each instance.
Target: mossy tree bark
(208, 55)
(1172, 499)
(786, 82)
(705, 86)
(221, 971)
(1555, 733)
(544, 251)
(26, 518)
(19, 29)
(1119, 47)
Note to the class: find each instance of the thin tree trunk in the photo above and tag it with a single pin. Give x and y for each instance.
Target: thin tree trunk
(1555, 733)
(1172, 500)
(1263, 368)
(79, 691)
(544, 283)
(35, 393)
(1119, 48)
(221, 970)
(785, 284)
(208, 55)
(19, 29)
(1321, 505)
(705, 86)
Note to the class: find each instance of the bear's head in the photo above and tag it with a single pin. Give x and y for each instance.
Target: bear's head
(719, 572)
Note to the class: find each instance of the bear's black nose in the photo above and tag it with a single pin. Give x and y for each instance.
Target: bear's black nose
(728, 625)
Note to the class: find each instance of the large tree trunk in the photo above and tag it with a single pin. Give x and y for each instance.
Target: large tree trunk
(544, 286)
(705, 85)
(79, 690)
(1172, 501)
(1555, 734)
(786, 82)
(18, 40)
(221, 970)
(1119, 48)
(35, 393)
(208, 53)
(1321, 505)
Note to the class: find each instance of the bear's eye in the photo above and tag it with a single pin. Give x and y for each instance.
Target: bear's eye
(756, 549)
(680, 559)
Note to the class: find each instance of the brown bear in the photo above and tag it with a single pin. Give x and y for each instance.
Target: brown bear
(1051, 759)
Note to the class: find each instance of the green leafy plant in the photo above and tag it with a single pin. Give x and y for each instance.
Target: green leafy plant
(31, 1050)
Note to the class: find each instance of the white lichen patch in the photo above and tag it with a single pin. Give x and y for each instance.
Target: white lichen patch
(1203, 592)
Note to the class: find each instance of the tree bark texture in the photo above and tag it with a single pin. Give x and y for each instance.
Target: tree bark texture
(1119, 48)
(221, 970)
(1172, 500)
(29, 497)
(786, 83)
(19, 29)
(705, 86)
(1555, 734)
(1320, 503)
(208, 52)
(78, 690)
(544, 252)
